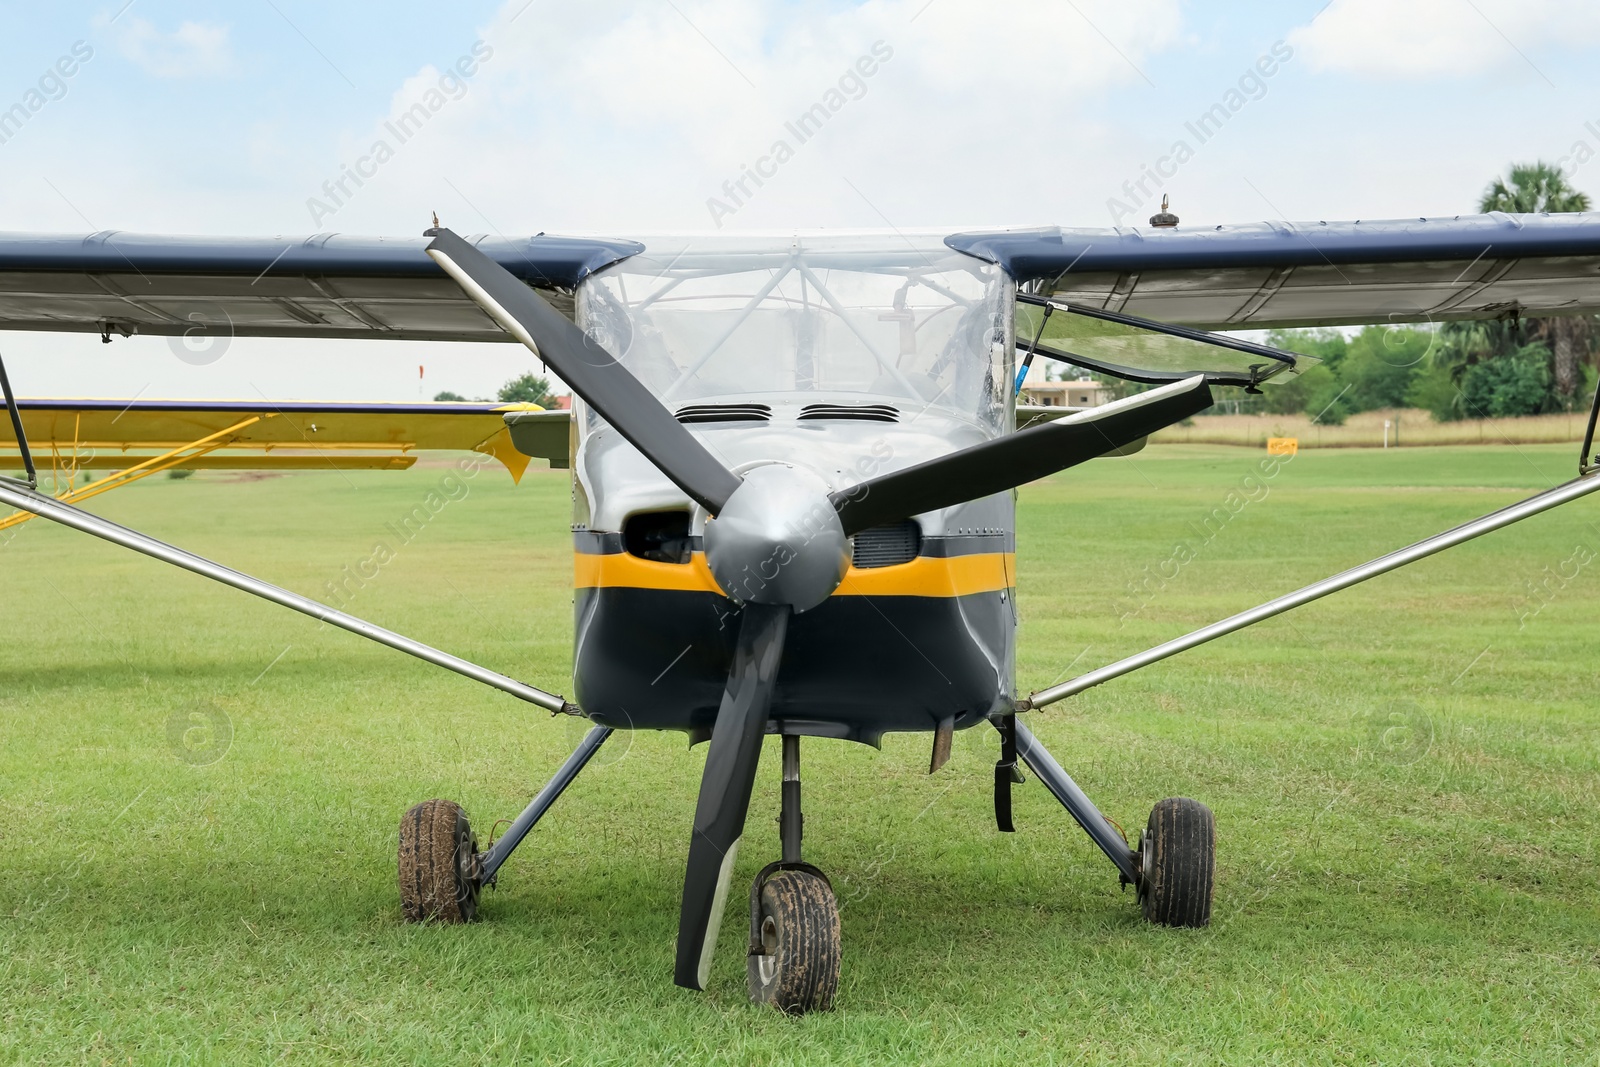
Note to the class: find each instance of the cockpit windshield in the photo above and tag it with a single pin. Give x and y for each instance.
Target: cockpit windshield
(869, 319)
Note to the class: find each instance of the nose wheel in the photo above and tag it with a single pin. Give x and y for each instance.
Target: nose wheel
(438, 864)
(794, 940)
(793, 963)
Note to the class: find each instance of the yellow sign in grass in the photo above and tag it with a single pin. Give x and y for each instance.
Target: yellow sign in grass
(1283, 446)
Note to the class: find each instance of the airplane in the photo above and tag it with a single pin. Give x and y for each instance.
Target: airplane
(794, 461)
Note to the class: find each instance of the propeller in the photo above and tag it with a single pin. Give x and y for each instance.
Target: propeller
(730, 775)
(777, 540)
(591, 371)
(1016, 459)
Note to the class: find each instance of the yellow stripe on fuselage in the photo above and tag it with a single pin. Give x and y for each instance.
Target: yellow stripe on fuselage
(933, 576)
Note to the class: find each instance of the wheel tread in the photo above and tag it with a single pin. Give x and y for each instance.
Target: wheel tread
(808, 944)
(429, 878)
(1182, 840)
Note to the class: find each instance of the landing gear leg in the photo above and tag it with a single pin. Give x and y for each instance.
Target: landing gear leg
(793, 963)
(1175, 864)
(441, 869)
(1078, 805)
(501, 850)
(791, 823)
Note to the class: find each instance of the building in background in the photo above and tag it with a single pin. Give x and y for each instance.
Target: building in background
(1082, 393)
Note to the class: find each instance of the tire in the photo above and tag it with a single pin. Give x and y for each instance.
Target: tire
(799, 929)
(1178, 853)
(438, 864)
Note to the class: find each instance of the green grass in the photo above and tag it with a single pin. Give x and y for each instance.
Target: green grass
(1405, 781)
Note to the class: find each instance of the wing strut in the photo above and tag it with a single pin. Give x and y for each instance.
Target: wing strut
(155, 464)
(1495, 520)
(16, 426)
(13, 493)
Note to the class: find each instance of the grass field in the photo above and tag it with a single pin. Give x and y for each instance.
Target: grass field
(1405, 778)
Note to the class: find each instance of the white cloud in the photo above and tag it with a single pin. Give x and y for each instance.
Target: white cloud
(627, 116)
(1428, 39)
(194, 49)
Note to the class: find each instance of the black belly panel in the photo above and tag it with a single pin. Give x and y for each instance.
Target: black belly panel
(855, 667)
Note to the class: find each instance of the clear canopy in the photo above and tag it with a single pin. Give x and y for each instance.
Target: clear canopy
(885, 319)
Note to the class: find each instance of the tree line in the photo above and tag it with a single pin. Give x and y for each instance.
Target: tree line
(1490, 368)
(526, 388)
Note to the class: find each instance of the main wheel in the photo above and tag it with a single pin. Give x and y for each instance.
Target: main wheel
(797, 929)
(1178, 852)
(438, 864)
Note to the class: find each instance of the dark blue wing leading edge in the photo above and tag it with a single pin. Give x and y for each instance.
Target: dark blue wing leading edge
(328, 285)
(1281, 274)
(1256, 275)
(543, 261)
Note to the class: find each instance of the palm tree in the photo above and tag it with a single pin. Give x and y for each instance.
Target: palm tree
(1536, 187)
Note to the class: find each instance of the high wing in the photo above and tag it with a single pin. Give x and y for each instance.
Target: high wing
(1254, 275)
(328, 285)
(1320, 273)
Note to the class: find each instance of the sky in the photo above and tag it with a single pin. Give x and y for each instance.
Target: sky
(634, 117)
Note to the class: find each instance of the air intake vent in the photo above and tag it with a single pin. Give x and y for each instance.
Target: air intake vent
(858, 412)
(885, 546)
(725, 413)
(662, 536)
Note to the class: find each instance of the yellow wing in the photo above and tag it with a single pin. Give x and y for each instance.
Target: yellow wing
(142, 437)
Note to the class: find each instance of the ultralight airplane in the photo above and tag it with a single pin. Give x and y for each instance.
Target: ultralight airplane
(793, 471)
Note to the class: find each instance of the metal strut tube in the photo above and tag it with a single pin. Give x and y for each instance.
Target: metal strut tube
(22, 438)
(501, 850)
(67, 515)
(1077, 803)
(790, 820)
(1584, 466)
(1540, 502)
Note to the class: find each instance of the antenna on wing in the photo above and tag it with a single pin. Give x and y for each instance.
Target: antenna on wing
(1163, 219)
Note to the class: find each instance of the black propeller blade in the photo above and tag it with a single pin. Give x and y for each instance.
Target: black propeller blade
(725, 787)
(1007, 462)
(591, 371)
